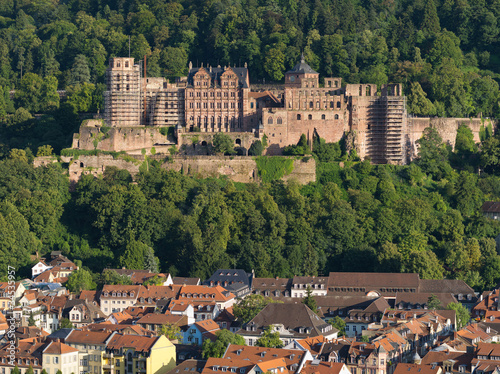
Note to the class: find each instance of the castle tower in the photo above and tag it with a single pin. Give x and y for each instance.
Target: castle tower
(122, 99)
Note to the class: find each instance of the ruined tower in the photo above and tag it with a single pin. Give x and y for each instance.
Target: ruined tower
(122, 98)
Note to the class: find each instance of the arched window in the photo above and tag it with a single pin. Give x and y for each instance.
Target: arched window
(251, 105)
(336, 116)
(279, 121)
(299, 117)
(331, 104)
(238, 141)
(311, 104)
(323, 116)
(270, 121)
(368, 91)
(338, 104)
(310, 116)
(126, 64)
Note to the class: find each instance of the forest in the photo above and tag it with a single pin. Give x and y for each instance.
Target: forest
(445, 52)
(424, 217)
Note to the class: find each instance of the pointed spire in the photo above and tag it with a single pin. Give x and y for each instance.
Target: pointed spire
(302, 59)
(190, 65)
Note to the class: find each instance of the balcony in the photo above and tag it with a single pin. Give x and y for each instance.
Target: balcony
(108, 366)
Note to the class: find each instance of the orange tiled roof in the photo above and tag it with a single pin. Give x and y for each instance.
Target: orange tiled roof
(139, 343)
(58, 348)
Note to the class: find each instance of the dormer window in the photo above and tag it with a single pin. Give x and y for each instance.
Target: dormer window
(119, 294)
(113, 294)
(131, 294)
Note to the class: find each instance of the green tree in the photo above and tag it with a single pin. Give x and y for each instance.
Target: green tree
(171, 331)
(28, 92)
(134, 256)
(151, 262)
(110, 276)
(30, 370)
(31, 320)
(49, 98)
(309, 300)
(432, 154)
(218, 347)
(462, 314)
(44, 150)
(418, 103)
(433, 302)
(80, 280)
(269, 338)
(339, 324)
(430, 24)
(223, 143)
(274, 63)
(256, 148)
(65, 324)
(16, 370)
(250, 306)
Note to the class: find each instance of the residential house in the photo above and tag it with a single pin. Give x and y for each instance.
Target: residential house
(450, 361)
(272, 287)
(367, 358)
(28, 353)
(419, 300)
(154, 321)
(81, 313)
(39, 268)
(487, 308)
(294, 359)
(134, 354)
(198, 294)
(198, 332)
(486, 359)
(291, 321)
(491, 209)
(189, 366)
(331, 367)
(417, 369)
(358, 320)
(331, 306)
(460, 290)
(183, 281)
(90, 346)
(59, 356)
(372, 284)
(216, 365)
(115, 298)
(317, 285)
(236, 281)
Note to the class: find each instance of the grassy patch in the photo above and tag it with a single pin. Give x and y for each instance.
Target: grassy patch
(273, 168)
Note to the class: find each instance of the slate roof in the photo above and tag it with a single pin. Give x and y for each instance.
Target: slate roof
(291, 316)
(215, 74)
(231, 279)
(491, 207)
(302, 68)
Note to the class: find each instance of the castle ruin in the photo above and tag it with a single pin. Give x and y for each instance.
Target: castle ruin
(221, 99)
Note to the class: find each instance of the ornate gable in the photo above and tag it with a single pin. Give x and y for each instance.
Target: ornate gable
(201, 78)
(229, 78)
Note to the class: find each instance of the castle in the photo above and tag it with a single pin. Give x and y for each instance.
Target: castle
(221, 99)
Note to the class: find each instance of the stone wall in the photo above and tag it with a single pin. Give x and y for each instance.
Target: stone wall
(96, 165)
(447, 128)
(237, 169)
(91, 136)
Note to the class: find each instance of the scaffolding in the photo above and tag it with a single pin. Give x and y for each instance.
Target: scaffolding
(122, 99)
(386, 128)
